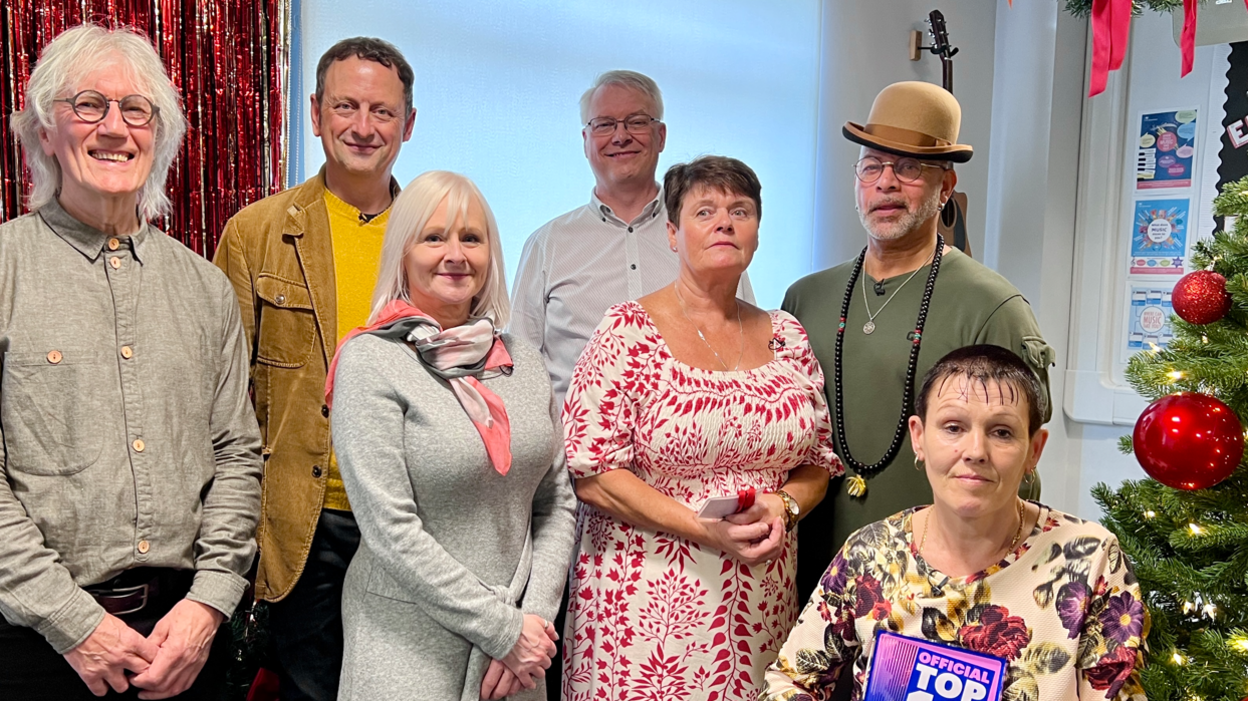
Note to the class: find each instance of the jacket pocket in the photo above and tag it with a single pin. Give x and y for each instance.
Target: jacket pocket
(49, 405)
(287, 328)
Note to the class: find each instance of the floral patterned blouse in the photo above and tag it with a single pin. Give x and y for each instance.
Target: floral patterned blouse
(1063, 608)
(652, 615)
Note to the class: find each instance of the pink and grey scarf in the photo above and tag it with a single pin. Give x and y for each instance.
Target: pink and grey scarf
(455, 355)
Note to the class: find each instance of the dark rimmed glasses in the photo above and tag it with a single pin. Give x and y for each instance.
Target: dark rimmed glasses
(92, 107)
(633, 124)
(907, 170)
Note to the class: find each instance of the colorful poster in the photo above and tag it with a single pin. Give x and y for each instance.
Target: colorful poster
(906, 669)
(1159, 237)
(1149, 322)
(1167, 150)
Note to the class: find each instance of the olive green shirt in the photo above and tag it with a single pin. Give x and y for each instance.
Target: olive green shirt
(970, 305)
(128, 437)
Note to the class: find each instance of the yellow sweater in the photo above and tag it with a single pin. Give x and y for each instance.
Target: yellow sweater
(357, 253)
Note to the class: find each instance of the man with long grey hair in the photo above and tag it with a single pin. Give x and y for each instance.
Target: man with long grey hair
(304, 263)
(131, 456)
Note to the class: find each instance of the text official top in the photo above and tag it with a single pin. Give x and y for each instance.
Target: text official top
(582, 263)
(129, 438)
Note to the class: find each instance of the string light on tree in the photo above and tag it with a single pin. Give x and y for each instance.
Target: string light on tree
(1185, 529)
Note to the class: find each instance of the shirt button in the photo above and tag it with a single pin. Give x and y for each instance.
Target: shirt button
(324, 410)
(113, 244)
(280, 299)
(630, 229)
(127, 352)
(316, 471)
(115, 262)
(633, 266)
(54, 356)
(138, 445)
(144, 546)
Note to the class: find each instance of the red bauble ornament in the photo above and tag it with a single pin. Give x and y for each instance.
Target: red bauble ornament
(1188, 441)
(1201, 297)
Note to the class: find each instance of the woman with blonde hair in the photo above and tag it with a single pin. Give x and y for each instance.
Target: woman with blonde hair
(450, 450)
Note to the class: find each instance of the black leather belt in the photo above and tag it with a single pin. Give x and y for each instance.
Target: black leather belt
(135, 590)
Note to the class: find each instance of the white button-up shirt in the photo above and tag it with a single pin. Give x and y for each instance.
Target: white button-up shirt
(577, 266)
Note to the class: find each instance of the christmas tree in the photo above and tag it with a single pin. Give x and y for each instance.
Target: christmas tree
(1188, 541)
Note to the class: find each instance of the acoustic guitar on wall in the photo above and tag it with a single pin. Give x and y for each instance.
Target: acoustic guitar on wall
(952, 223)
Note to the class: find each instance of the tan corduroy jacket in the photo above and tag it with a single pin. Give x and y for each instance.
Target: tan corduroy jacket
(278, 254)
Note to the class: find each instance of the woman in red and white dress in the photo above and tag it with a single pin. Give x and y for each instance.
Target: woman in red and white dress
(684, 395)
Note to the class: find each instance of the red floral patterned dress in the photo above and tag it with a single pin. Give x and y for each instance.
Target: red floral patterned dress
(654, 616)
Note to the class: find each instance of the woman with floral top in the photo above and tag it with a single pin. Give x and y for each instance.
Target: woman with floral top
(980, 569)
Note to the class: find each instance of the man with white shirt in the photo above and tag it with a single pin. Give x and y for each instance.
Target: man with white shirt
(613, 249)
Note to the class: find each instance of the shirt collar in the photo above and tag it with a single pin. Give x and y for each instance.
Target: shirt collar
(648, 212)
(88, 240)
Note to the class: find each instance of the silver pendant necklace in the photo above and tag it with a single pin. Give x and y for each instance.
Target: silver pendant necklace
(869, 327)
(740, 331)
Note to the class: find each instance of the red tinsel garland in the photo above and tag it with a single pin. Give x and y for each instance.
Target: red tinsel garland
(230, 62)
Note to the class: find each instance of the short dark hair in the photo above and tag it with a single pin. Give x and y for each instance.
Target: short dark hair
(369, 49)
(984, 364)
(718, 172)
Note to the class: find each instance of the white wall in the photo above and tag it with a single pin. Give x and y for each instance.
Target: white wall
(1148, 82)
(772, 84)
(1032, 186)
(865, 49)
(498, 84)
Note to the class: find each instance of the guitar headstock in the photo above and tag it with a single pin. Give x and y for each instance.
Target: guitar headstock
(940, 36)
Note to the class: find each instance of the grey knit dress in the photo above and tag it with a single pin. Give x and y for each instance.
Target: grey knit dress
(452, 554)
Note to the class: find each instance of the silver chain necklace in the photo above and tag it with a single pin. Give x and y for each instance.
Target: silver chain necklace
(869, 327)
(740, 331)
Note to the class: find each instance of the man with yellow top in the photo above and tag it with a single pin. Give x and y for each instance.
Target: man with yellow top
(303, 263)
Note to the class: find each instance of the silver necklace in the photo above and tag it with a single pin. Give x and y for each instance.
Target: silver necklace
(869, 327)
(740, 331)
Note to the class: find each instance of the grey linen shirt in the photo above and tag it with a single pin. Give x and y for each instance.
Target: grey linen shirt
(582, 263)
(129, 439)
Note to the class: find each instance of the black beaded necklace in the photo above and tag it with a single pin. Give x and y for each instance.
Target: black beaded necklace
(856, 485)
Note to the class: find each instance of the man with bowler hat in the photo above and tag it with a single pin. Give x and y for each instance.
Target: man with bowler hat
(878, 322)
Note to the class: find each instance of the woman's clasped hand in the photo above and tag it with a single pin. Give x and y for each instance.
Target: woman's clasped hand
(753, 536)
(526, 663)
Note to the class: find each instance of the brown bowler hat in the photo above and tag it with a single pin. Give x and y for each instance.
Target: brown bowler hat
(913, 118)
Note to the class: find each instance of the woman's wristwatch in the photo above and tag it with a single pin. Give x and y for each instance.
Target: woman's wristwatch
(791, 509)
